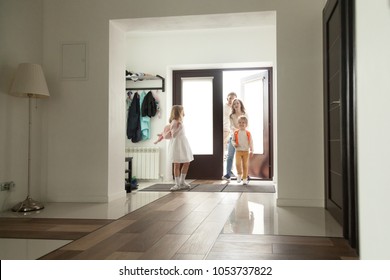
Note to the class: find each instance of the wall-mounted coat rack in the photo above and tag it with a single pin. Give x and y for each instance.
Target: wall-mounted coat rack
(141, 77)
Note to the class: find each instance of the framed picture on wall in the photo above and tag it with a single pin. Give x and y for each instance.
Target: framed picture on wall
(74, 61)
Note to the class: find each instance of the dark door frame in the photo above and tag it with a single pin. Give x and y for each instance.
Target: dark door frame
(267, 163)
(348, 117)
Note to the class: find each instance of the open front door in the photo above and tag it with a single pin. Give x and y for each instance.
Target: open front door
(255, 91)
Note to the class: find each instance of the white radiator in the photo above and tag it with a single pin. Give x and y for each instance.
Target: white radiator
(145, 162)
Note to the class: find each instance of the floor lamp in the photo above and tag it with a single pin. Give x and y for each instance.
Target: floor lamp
(29, 82)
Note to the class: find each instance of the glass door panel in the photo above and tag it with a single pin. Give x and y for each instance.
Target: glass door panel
(253, 93)
(197, 96)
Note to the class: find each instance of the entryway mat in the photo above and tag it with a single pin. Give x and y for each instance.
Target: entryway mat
(252, 187)
(209, 188)
(163, 188)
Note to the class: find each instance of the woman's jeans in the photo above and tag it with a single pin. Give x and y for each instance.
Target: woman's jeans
(230, 156)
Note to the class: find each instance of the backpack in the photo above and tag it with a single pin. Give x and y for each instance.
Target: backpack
(248, 134)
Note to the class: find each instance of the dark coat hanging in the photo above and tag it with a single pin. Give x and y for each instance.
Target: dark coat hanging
(133, 120)
(149, 106)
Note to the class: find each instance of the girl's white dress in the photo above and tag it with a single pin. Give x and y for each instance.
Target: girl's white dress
(179, 150)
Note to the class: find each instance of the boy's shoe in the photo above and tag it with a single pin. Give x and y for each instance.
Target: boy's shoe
(238, 179)
(175, 188)
(245, 182)
(226, 177)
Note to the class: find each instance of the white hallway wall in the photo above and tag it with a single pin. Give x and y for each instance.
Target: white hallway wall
(373, 99)
(16, 18)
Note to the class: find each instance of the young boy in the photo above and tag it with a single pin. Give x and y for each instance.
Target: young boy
(242, 141)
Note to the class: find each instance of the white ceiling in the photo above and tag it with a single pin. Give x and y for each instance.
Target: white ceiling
(234, 20)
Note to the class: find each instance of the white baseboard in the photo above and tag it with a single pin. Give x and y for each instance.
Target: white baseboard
(87, 198)
(300, 202)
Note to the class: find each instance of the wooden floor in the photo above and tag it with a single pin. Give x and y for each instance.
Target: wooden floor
(176, 226)
(56, 229)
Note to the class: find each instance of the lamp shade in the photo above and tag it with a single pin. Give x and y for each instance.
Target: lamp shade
(29, 81)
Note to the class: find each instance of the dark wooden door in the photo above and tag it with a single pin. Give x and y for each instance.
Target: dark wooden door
(333, 116)
(339, 110)
(206, 165)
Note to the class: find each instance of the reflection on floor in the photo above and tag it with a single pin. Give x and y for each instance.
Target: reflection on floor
(254, 213)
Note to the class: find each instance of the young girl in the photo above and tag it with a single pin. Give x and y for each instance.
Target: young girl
(238, 109)
(242, 141)
(179, 150)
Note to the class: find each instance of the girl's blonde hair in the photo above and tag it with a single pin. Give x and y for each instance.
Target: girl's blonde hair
(242, 117)
(176, 113)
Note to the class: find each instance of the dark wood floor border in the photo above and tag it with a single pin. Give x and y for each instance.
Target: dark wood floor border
(49, 228)
(59, 228)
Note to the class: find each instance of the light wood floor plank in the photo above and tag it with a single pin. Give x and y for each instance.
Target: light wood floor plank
(146, 239)
(188, 257)
(165, 248)
(265, 239)
(202, 239)
(105, 248)
(179, 213)
(190, 223)
(98, 236)
(82, 228)
(124, 256)
(220, 212)
(260, 256)
(241, 247)
(61, 255)
(142, 224)
(208, 204)
(151, 207)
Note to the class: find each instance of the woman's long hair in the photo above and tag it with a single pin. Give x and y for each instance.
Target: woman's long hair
(241, 105)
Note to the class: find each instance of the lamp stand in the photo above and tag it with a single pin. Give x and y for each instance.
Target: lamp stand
(28, 204)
